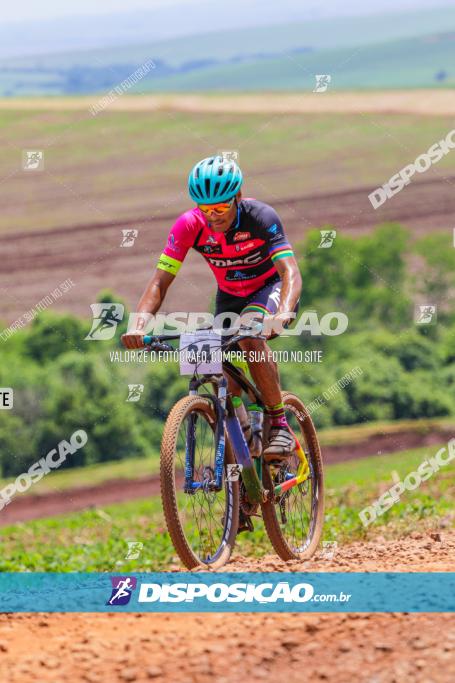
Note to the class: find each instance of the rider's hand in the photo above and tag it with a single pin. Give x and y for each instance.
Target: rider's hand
(275, 324)
(133, 340)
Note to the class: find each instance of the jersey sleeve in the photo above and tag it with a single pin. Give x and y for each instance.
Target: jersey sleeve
(179, 241)
(274, 235)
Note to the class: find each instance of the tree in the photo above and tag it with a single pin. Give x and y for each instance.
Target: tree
(52, 334)
(436, 279)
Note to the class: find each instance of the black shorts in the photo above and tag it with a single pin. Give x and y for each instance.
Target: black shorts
(264, 302)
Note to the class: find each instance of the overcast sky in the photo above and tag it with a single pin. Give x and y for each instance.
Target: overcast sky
(40, 27)
(49, 9)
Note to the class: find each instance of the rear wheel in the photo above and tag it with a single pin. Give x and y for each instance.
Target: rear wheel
(294, 519)
(202, 524)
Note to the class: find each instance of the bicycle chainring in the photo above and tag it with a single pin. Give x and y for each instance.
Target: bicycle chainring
(245, 505)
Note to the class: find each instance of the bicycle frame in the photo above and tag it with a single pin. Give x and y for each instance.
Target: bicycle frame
(227, 421)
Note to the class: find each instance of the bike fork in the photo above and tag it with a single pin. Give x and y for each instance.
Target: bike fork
(215, 484)
(189, 454)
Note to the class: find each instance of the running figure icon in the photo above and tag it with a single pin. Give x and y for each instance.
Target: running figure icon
(122, 591)
(106, 320)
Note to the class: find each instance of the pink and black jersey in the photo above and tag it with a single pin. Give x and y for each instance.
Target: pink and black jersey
(242, 258)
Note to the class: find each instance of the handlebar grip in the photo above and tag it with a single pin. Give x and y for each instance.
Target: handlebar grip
(156, 344)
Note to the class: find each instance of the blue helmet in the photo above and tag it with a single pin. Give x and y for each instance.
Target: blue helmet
(214, 180)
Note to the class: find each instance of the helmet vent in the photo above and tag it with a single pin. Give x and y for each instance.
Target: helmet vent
(225, 186)
(214, 180)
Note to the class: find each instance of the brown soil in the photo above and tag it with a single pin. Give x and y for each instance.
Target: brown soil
(418, 552)
(36, 506)
(360, 648)
(90, 254)
(221, 648)
(226, 648)
(427, 102)
(24, 508)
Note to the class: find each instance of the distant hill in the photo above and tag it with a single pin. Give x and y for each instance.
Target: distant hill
(171, 19)
(422, 62)
(389, 51)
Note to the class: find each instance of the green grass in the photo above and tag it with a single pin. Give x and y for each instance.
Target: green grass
(410, 63)
(134, 468)
(91, 475)
(356, 484)
(358, 432)
(96, 540)
(120, 166)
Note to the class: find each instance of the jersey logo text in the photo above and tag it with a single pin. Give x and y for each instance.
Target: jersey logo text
(247, 260)
(240, 236)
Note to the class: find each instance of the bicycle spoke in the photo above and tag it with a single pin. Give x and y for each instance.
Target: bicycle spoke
(299, 501)
(201, 513)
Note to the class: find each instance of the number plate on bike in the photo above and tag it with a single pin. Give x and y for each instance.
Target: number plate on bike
(200, 352)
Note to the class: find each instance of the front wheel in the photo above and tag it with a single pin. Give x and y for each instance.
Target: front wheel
(294, 519)
(202, 524)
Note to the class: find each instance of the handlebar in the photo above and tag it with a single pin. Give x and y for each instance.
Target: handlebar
(158, 343)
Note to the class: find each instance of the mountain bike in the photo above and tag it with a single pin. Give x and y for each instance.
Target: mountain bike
(209, 478)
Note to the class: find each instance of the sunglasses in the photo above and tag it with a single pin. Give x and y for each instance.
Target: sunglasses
(218, 209)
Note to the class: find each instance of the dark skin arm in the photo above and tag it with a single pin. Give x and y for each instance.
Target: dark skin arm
(291, 288)
(149, 303)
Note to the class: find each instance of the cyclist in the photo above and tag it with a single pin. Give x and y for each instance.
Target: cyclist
(244, 244)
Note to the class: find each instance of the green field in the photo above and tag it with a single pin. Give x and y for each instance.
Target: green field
(130, 165)
(410, 63)
(134, 468)
(96, 540)
(399, 50)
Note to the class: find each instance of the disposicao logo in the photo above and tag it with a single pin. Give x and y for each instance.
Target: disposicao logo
(222, 592)
(122, 588)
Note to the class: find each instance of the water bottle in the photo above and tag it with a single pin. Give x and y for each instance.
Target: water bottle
(256, 424)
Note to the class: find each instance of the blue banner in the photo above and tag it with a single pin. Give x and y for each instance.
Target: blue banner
(228, 592)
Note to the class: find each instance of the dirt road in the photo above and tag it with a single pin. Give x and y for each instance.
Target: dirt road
(392, 648)
(360, 648)
(432, 551)
(201, 648)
